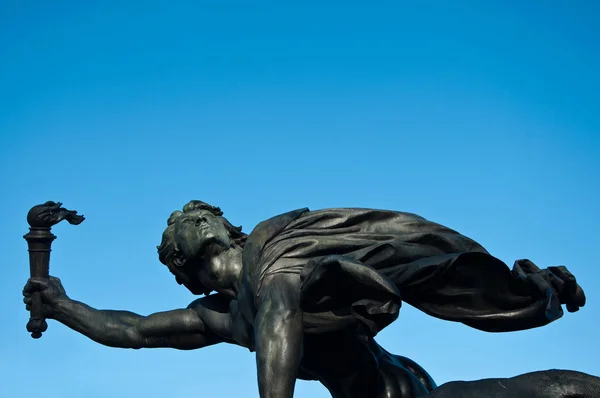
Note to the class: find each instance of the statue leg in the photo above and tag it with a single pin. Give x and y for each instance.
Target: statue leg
(544, 384)
(416, 370)
(352, 368)
(340, 363)
(399, 376)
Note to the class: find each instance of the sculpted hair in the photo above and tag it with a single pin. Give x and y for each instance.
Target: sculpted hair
(168, 254)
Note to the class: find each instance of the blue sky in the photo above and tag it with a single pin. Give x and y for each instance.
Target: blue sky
(479, 115)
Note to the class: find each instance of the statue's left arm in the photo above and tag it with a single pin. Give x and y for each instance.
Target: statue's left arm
(278, 336)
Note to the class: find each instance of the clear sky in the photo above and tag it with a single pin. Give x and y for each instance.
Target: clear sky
(483, 116)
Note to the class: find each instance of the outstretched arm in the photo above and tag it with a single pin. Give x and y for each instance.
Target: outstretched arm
(279, 337)
(182, 329)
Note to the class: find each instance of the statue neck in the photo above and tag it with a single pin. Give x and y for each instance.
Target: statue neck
(229, 264)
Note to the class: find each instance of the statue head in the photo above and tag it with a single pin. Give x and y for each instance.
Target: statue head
(192, 238)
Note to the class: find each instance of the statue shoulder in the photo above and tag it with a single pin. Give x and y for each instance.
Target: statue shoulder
(213, 302)
(214, 312)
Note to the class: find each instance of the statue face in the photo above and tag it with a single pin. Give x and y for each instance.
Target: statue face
(200, 237)
(200, 234)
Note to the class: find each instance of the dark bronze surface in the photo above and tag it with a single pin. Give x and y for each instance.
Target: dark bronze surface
(308, 291)
(41, 218)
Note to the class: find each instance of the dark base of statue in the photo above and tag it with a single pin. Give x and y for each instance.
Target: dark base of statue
(546, 384)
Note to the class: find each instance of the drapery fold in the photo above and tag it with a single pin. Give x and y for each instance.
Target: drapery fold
(358, 265)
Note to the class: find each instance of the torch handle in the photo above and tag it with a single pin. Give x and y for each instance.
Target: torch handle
(41, 218)
(39, 241)
(37, 323)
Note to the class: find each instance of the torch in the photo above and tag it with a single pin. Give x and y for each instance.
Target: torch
(41, 218)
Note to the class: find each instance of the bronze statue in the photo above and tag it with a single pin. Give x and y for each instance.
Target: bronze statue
(308, 291)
